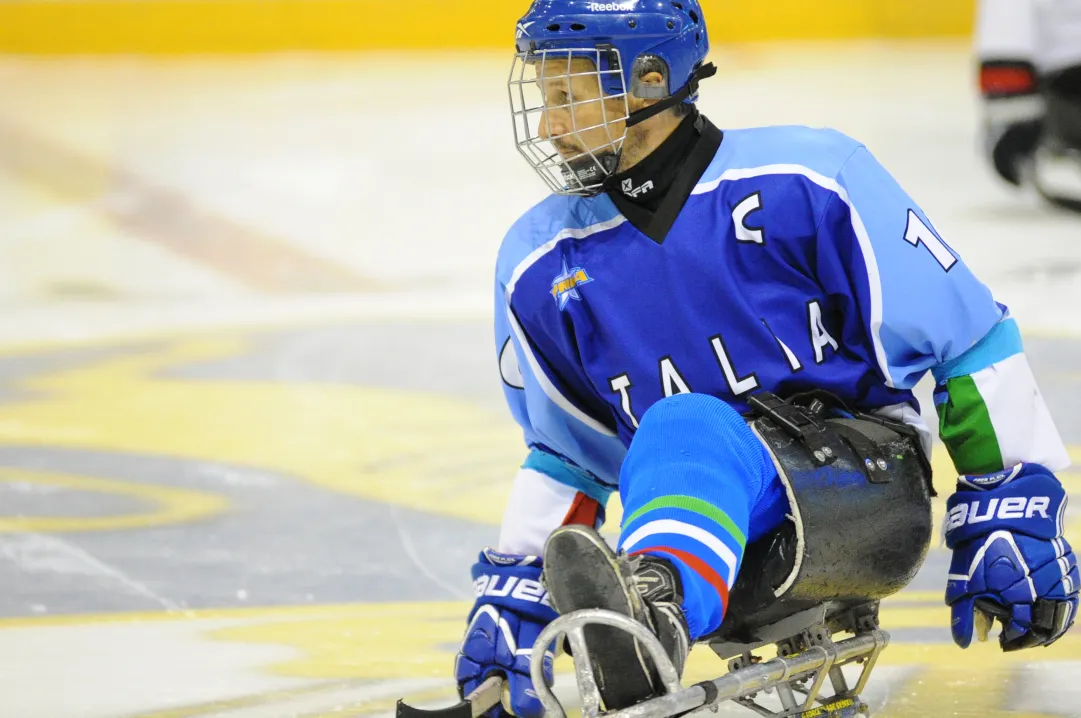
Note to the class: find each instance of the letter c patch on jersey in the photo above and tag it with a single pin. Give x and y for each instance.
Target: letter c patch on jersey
(746, 207)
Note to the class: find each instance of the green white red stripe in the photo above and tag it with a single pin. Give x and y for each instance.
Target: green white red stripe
(996, 417)
(671, 526)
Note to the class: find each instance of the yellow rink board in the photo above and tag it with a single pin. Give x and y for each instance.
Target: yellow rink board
(171, 27)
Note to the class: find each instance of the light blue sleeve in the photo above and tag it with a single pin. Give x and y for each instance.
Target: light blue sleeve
(921, 305)
(924, 310)
(562, 447)
(559, 422)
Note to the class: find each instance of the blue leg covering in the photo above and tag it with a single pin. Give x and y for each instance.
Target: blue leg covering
(696, 486)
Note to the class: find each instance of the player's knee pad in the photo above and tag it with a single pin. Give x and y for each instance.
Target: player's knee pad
(700, 427)
(698, 444)
(703, 412)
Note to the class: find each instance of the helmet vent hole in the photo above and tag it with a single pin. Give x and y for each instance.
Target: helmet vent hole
(694, 16)
(554, 27)
(632, 24)
(697, 39)
(677, 6)
(671, 25)
(578, 27)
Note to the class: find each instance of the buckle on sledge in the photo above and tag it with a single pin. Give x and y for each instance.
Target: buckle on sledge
(798, 422)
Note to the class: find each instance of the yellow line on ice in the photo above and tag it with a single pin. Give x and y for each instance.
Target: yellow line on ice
(411, 449)
(407, 448)
(418, 640)
(955, 688)
(445, 694)
(250, 614)
(173, 505)
(258, 699)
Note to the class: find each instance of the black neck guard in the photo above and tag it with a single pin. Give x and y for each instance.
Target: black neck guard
(647, 182)
(652, 193)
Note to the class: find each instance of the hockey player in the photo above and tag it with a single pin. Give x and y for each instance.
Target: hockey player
(676, 272)
(1030, 79)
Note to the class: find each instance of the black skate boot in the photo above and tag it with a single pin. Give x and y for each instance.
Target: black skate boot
(581, 571)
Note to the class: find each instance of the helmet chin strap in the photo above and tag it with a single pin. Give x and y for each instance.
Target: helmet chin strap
(703, 71)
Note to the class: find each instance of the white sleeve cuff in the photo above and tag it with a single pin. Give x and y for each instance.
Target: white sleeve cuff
(537, 506)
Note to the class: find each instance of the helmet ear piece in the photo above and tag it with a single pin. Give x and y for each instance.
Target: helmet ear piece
(643, 65)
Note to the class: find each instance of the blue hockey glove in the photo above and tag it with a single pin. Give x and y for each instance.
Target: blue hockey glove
(1010, 561)
(510, 612)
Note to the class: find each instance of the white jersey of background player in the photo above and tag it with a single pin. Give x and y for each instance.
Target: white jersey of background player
(1030, 79)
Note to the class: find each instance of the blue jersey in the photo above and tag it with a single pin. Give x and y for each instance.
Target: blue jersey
(797, 262)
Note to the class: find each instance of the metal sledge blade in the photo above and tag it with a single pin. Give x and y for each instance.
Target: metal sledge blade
(803, 672)
(483, 699)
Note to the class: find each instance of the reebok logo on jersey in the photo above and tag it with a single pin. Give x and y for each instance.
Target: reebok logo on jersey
(520, 589)
(631, 191)
(565, 285)
(1015, 507)
(612, 6)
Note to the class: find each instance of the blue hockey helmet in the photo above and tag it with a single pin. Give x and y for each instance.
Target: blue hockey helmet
(671, 30)
(616, 36)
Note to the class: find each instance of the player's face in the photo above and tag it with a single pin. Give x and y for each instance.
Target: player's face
(578, 119)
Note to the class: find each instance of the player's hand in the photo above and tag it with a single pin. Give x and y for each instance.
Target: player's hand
(510, 612)
(1010, 560)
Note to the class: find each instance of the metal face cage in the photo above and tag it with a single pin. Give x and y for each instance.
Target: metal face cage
(581, 127)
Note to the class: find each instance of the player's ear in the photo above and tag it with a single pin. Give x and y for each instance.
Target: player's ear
(650, 79)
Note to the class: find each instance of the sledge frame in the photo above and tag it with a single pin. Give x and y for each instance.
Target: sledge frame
(805, 660)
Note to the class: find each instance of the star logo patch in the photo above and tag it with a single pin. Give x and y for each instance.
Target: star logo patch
(565, 285)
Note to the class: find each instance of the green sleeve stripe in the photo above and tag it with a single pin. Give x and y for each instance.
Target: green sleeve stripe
(694, 505)
(964, 423)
